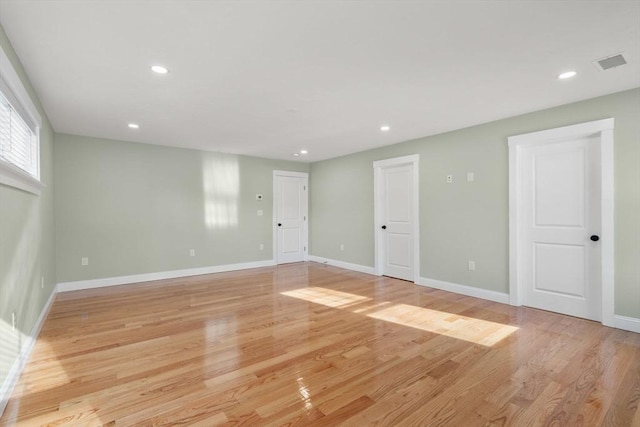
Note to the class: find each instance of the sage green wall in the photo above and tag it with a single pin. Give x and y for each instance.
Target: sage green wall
(139, 208)
(26, 242)
(470, 220)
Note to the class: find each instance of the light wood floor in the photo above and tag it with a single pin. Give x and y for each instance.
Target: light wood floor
(307, 344)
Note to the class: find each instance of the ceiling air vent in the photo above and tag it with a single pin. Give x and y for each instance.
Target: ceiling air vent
(608, 62)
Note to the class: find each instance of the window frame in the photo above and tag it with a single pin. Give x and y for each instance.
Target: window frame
(14, 91)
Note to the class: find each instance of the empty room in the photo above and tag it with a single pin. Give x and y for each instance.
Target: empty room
(319, 213)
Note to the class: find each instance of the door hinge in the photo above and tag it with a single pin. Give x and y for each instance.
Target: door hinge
(304, 218)
(305, 248)
(304, 187)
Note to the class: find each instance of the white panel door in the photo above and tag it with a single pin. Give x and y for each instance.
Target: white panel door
(397, 221)
(560, 227)
(290, 199)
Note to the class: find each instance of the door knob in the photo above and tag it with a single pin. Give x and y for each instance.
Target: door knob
(279, 224)
(595, 238)
(384, 227)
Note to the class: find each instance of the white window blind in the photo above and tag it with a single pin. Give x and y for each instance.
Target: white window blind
(18, 142)
(20, 124)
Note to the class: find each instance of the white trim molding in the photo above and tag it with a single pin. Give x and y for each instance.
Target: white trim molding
(342, 264)
(603, 129)
(378, 166)
(469, 291)
(148, 277)
(626, 323)
(15, 85)
(25, 353)
(15, 177)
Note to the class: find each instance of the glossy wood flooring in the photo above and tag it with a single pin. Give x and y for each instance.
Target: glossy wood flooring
(306, 344)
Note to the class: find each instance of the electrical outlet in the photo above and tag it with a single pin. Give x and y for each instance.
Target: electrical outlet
(261, 247)
(342, 246)
(472, 265)
(192, 252)
(449, 179)
(13, 320)
(470, 177)
(85, 261)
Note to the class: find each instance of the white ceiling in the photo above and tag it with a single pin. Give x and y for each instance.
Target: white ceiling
(267, 78)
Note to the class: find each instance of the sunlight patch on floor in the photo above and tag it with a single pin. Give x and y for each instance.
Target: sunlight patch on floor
(328, 297)
(42, 376)
(478, 331)
(371, 307)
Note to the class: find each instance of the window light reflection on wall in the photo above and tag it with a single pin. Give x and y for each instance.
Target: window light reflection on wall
(221, 185)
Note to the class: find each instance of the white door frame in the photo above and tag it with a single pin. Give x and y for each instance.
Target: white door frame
(603, 129)
(305, 226)
(378, 166)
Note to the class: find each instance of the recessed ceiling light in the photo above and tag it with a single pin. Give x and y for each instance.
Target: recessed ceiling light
(159, 69)
(134, 125)
(296, 154)
(384, 128)
(303, 151)
(567, 75)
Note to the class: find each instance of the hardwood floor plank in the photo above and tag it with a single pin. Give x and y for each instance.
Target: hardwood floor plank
(307, 344)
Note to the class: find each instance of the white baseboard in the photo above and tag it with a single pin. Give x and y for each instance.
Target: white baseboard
(465, 290)
(342, 264)
(627, 323)
(23, 357)
(148, 277)
(631, 324)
